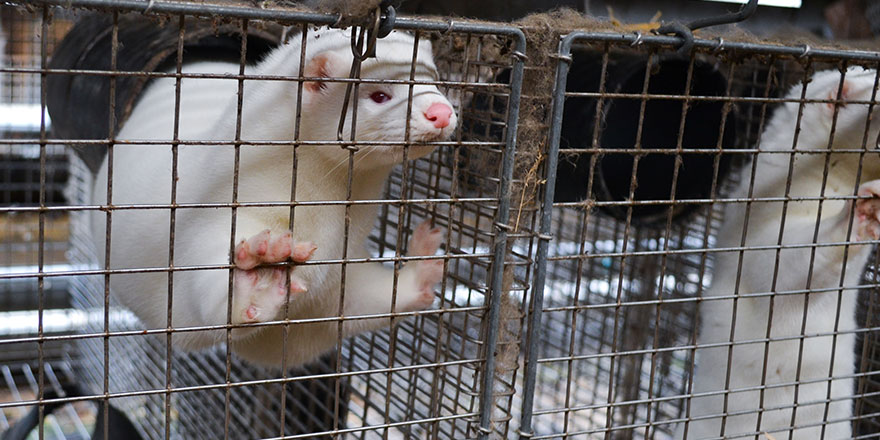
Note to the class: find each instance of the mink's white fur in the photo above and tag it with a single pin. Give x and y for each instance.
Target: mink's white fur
(839, 265)
(142, 174)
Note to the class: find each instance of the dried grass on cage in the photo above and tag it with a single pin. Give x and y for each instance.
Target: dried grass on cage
(542, 32)
(352, 8)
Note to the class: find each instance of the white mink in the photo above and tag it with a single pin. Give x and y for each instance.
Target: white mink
(752, 313)
(208, 111)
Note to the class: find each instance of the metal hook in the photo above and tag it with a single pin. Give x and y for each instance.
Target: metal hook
(720, 45)
(381, 27)
(448, 28)
(525, 434)
(806, 51)
(681, 31)
(685, 32)
(564, 58)
(338, 22)
(372, 35)
(638, 39)
(357, 42)
(386, 20)
(744, 13)
(519, 55)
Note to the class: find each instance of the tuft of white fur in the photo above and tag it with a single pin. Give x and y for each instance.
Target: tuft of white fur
(827, 363)
(142, 174)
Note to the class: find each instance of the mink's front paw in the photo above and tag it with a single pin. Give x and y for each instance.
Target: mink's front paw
(271, 247)
(428, 274)
(260, 294)
(868, 211)
(424, 242)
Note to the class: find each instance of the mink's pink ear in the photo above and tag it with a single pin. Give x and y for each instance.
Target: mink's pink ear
(323, 65)
(844, 95)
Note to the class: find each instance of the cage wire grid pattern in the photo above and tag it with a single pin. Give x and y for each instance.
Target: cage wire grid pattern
(610, 324)
(397, 373)
(625, 284)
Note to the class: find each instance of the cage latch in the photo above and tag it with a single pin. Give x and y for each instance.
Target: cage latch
(686, 31)
(382, 25)
(387, 15)
(525, 434)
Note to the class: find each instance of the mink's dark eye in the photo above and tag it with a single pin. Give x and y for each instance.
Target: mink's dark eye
(380, 97)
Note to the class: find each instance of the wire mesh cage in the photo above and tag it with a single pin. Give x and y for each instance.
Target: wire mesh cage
(420, 377)
(584, 303)
(632, 272)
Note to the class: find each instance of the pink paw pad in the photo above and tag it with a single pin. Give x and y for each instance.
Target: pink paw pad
(271, 247)
(422, 302)
(278, 248)
(425, 240)
(259, 294)
(244, 258)
(260, 243)
(428, 274)
(251, 314)
(249, 253)
(302, 251)
(297, 285)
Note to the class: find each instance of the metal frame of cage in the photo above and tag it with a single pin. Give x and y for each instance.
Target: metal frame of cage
(484, 424)
(549, 229)
(549, 222)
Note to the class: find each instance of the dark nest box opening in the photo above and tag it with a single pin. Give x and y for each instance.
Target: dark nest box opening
(143, 45)
(661, 124)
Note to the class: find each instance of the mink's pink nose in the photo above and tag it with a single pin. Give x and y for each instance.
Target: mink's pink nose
(439, 114)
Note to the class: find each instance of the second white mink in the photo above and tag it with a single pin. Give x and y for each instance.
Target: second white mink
(141, 174)
(800, 400)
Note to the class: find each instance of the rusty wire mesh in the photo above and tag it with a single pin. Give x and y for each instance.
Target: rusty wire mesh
(421, 377)
(627, 276)
(612, 351)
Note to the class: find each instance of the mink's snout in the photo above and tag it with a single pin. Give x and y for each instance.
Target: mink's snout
(438, 114)
(436, 120)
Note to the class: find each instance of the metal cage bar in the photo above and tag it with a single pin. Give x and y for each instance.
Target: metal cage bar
(498, 237)
(545, 233)
(617, 369)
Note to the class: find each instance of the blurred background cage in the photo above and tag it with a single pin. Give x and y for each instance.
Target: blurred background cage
(600, 347)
